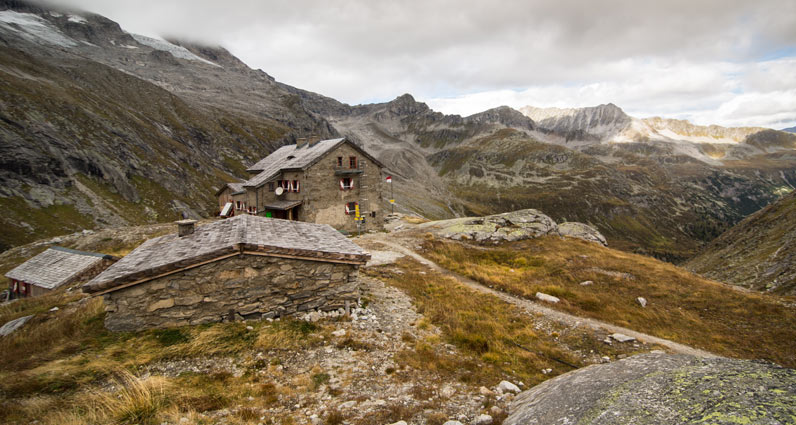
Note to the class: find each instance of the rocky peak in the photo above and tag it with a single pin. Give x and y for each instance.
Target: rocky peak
(504, 115)
(593, 120)
(407, 105)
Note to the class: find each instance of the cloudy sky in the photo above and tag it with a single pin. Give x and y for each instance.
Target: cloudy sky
(724, 62)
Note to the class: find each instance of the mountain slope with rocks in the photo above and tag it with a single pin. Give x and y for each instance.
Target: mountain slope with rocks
(101, 127)
(758, 253)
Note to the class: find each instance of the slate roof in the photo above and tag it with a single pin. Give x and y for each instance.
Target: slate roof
(289, 157)
(239, 234)
(55, 267)
(292, 157)
(281, 205)
(237, 188)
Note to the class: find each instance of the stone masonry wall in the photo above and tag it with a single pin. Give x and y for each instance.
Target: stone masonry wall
(243, 286)
(328, 201)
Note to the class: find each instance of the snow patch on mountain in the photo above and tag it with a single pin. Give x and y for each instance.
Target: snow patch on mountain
(33, 28)
(77, 19)
(176, 51)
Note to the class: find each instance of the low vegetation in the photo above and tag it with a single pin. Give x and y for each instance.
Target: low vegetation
(65, 368)
(494, 339)
(681, 306)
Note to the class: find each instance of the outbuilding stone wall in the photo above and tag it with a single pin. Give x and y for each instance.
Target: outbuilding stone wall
(244, 286)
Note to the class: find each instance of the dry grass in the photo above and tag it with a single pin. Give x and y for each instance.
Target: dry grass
(681, 306)
(58, 367)
(413, 219)
(495, 339)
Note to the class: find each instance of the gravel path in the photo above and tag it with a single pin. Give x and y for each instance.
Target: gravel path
(393, 243)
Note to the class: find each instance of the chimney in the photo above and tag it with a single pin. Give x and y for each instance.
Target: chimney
(301, 142)
(185, 227)
(313, 140)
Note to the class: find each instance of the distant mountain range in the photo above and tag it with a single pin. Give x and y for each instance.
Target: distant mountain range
(102, 127)
(790, 130)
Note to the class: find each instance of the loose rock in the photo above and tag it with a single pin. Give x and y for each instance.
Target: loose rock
(642, 301)
(482, 420)
(622, 337)
(507, 387)
(547, 298)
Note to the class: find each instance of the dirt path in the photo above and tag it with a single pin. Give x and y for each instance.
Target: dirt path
(392, 242)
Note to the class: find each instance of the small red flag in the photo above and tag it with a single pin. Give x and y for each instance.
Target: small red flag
(389, 179)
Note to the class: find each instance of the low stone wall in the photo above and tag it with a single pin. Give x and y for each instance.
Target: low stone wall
(244, 286)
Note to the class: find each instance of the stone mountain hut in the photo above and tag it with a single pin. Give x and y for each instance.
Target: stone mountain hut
(54, 268)
(317, 181)
(244, 267)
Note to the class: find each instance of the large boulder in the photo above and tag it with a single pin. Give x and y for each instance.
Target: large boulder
(513, 226)
(581, 231)
(662, 388)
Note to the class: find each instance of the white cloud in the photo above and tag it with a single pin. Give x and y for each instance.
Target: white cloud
(729, 94)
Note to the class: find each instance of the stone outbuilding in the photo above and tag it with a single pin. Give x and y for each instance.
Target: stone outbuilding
(333, 182)
(53, 269)
(232, 199)
(244, 267)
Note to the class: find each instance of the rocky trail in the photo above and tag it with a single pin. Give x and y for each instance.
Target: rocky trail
(397, 244)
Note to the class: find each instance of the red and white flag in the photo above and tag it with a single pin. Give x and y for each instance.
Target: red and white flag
(389, 179)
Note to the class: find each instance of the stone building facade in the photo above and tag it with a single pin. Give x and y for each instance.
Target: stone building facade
(244, 267)
(236, 288)
(234, 195)
(324, 181)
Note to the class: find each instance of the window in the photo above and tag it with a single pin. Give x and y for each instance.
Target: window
(237, 205)
(352, 162)
(271, 186)
(296, 186)
(346, 183)
(350, 208)
(339, 161)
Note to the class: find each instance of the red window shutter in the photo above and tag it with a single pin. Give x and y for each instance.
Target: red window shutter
(342, 186)
(298, 187)
(351, 184)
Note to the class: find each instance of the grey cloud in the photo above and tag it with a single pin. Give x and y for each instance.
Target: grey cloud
(367, 50)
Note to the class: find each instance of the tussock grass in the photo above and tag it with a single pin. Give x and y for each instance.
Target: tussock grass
(496, 339)
(59, 367)
(681, 306)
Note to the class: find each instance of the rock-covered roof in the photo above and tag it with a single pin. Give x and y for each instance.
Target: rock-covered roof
(240, 234)
(295, 157)
(55, 267)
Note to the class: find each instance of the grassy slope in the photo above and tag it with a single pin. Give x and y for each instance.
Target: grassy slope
(757, 251)
(681, 306)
